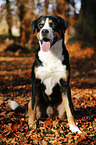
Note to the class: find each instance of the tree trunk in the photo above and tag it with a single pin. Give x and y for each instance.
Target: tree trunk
(9, 17)
(86, 27)
(46, 6)
(22, 9)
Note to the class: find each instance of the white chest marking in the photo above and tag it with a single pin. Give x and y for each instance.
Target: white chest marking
(53, 69)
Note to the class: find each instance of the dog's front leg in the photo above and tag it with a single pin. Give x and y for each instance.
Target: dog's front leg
(32, 104)
(31, 114)
(66, 97)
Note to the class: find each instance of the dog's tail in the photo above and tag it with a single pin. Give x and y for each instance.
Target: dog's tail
(16, 107)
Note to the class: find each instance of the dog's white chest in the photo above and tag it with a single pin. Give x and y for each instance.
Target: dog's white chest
(52, 70)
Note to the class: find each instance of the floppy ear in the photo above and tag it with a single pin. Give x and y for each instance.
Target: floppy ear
(64, 23)
(34, 24)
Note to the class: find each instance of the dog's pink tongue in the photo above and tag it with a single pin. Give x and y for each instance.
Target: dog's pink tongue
(45, 46)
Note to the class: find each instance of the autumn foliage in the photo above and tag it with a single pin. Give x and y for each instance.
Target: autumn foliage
(15, 84)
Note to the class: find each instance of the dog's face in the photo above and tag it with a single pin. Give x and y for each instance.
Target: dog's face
(50, 29)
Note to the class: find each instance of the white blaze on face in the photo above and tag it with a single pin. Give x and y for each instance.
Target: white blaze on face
(47, 26)
(45, 46)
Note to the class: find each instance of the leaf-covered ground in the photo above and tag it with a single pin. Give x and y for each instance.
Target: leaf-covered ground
(15, 84)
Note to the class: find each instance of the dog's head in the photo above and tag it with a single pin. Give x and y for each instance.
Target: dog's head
(50, 29)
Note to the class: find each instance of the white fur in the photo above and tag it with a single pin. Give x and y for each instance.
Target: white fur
(13, 104)
(38, 113)
(30, 126)
(61, 110)
(46, 26)
(53, 69)
(49, 111)
(74, 128)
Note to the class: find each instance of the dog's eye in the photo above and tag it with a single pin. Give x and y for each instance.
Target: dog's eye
(53, 24)
(40, 25)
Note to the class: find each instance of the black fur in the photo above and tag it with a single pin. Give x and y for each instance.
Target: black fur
(55, 98)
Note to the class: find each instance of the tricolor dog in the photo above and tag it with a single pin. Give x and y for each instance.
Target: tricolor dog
(51, 94)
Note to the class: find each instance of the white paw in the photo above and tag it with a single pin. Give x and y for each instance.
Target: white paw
(30, 126)
(74, 129)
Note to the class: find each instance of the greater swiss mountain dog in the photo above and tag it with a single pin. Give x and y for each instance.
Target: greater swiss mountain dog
(51, 94)
(51, 73)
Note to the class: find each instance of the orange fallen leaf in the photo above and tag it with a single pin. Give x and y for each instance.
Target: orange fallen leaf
(14, 128)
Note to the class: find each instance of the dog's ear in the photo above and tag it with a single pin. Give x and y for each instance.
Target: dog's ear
(64, 23)
(34, 24)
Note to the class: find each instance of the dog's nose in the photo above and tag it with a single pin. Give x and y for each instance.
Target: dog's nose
(45, 32)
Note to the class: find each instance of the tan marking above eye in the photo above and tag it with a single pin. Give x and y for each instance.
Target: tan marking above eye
(50, 21)
(42, 22)
(53, 25)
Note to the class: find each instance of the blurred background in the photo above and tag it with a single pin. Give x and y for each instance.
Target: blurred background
(17, 47)
(16, 17)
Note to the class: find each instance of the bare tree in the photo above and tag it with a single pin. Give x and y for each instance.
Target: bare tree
(46, 6)
(21, 11)
(9, 16)
(86, 27)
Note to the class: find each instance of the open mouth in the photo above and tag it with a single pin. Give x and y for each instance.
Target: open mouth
(46, 39)
(45, 44)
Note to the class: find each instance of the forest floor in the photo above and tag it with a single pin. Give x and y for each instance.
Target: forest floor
(15, 84)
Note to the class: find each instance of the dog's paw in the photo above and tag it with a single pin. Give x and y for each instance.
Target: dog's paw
(32, 125)
(74, 129)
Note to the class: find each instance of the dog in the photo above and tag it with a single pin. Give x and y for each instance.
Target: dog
(51, 95)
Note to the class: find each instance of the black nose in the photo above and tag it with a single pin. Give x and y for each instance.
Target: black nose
(45, 32)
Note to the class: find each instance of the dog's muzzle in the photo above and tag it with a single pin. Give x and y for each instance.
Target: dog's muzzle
(45, 40)
(45, 32)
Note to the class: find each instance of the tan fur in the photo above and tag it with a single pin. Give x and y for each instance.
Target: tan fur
(50, 21)
(68, 110)
(36, 73)
(61, 111)
(38, 35)
(31, 113)
(42, 22)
